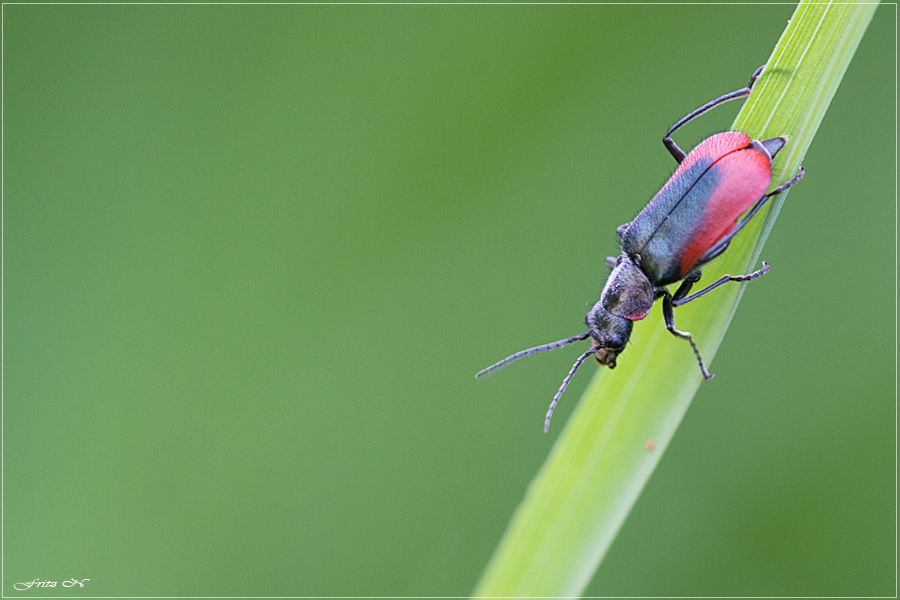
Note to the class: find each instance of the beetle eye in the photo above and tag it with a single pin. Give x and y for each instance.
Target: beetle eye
(615, 342)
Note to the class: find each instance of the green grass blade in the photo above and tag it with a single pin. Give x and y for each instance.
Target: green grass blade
(615, 437)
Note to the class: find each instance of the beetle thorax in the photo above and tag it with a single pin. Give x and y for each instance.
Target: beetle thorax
(628, 292)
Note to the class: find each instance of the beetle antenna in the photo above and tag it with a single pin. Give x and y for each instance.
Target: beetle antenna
(565, 384)
(530, 351)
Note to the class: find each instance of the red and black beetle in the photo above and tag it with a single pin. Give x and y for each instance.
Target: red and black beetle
(689, 222)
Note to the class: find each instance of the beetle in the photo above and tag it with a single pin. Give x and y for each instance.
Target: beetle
(688, 223)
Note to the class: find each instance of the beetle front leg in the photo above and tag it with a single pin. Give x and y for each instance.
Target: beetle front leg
(669, 319)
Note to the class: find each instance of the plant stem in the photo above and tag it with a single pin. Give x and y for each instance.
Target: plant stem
(603, 458)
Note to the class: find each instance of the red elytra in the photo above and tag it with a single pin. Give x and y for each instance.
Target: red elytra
(747, 173)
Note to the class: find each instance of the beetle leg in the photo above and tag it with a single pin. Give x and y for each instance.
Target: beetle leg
(669, 318)
(679, 299)
(686, 286)
(720, 246)
(611, 262)
(800, 173)
(620, 230)
(716, 250)
(672, 147)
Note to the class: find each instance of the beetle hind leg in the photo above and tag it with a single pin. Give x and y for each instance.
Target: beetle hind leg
(677, 153)
(720, 246)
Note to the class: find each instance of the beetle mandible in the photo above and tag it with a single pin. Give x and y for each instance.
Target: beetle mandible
(689, 222)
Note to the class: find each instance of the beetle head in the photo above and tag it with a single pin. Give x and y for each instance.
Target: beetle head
(609, 334)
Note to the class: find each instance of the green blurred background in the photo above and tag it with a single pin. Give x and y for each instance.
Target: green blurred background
(254, 255)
